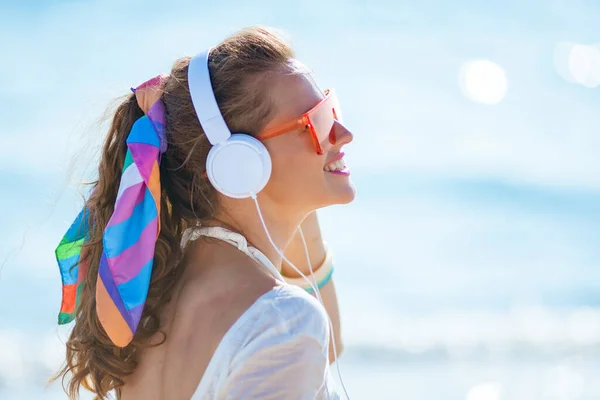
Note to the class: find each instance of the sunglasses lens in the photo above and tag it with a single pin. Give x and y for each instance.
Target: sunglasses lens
(322, 119)
(337, 110)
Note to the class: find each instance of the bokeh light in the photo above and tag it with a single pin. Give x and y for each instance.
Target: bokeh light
(578, 63)
(483, 81)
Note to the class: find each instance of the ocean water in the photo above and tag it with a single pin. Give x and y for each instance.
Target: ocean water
(453, 289)
(433, 380)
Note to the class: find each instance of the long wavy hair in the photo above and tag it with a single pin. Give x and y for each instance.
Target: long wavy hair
(240, 68)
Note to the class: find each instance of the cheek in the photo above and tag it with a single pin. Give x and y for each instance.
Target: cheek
(295, 176)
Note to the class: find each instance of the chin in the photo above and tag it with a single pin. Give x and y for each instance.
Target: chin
(342, 195)
(349, 195)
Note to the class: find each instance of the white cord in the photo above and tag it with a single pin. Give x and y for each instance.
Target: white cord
(318, 293)
(312, 285)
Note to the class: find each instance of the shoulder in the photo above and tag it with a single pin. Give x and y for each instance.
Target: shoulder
(212, 301)
(205, 315)
(296, 308)
(284, 335)
(285, 313)
(234, 290)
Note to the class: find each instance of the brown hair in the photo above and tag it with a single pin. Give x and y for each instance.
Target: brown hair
(239, 67)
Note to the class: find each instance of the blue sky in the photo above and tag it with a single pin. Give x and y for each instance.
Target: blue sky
(466, 206)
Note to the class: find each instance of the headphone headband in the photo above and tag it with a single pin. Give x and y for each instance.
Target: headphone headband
(203, 99)
(238, 165)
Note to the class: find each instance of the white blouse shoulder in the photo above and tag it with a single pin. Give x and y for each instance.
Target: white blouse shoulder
(277, 349)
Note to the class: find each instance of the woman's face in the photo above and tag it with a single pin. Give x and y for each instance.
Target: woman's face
(302, 180)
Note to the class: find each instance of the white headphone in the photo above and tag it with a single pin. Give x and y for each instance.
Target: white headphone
(238, 165)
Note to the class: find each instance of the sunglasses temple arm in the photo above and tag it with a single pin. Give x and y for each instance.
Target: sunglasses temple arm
(297, 123)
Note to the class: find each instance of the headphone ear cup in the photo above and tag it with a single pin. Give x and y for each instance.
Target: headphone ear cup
(240, 167)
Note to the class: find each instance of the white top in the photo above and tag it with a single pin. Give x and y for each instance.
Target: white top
(277, 349)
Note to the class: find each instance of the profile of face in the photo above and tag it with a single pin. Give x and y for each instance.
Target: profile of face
(303, 180)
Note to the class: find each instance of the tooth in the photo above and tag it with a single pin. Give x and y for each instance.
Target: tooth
(339, 164)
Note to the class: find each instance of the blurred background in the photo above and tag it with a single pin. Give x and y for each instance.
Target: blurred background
(467, 268)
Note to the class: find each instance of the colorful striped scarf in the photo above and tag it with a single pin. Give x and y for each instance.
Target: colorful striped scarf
(130, 237)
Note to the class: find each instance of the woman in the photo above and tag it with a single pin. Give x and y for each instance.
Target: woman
(180, 291)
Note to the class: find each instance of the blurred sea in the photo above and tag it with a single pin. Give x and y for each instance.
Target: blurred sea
(449, 289)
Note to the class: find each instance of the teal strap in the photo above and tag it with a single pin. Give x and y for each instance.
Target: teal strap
(322, 282)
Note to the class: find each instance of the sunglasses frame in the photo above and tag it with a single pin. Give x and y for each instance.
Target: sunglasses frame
(304, 121)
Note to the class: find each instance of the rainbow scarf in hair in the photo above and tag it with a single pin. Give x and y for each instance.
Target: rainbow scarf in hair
(130, 237)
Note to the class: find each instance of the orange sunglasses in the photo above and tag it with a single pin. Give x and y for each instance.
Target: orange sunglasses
(318, 120)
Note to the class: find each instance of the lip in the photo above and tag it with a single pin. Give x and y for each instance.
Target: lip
(344, 172)
(335, 158)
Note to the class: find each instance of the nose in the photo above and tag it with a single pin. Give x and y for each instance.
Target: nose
(340, 135)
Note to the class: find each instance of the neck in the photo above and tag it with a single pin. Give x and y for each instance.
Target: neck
(242, 216)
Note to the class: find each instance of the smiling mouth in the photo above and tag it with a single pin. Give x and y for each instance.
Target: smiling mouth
(337, 167)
